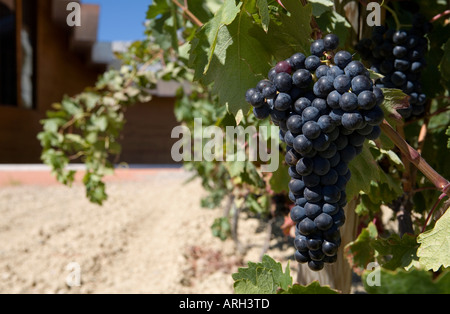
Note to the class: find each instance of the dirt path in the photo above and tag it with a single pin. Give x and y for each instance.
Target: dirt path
(150, 237)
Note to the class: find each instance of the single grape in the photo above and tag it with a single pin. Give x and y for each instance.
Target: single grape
(342, 83)
(312, 63)
(307, 226)
(348, 102)
(312, 210)
(361, 83)
(297, 61)
(302, 145)
(295, 123)
(301, 78)
(329, 248)
(330, 42)
(354, 68)
(310, 114)
(283, 102)
(315, 265)
(342, 58)
(311, 130)
(297, 214)
(283, 66)
(317, 48)
(283, 82)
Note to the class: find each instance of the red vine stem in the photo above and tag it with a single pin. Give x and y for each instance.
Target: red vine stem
(185, 9)
(437, 17)
(426, 188)
(416, 159)
(432, 211)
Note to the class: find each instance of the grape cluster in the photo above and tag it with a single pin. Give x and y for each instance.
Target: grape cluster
(325, 112)
(399, 56)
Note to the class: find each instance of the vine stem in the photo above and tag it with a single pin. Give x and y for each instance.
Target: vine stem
(416, 159)
(185, 9)
(439, 111)
(425, 188)
(432, 211)
(394, 15)
(438, 16)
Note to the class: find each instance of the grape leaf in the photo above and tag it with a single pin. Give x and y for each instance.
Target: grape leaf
(235, 168)
(434, 249)
(200, 9)
(408, 282)
(225, 16)
(321, 6)
(233, 54)
(313, 288)
(162, 24)
(374, 75)
(156, 8)
(444, 66)
(333, 22)
(293, 32)
(264, 14)
(261, 278)
(221, 228)
(234, 67)
(359, 252)
(448, 134)
(364, 169)
(280, 178)
(395, 252)
(394, 99)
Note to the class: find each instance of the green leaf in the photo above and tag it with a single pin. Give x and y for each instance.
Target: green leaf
(52, 125)
(333, 22)
(292, 33)
(394, 99)
(200, 9)
(280, 178)
(434, 249)
(448, 134)
(262, 278)
(259, 205)
(395, 252)
(364, 169)
(264, 14)
(221, 228)
(321, 6)
(100, 122)
(235, 168)
(163, 23)
(252, 176)
(156, 8)
(374, 75)
(313, 288)
(359, 253)
(71, 106)
(408, 282)
(444, 66)
(234, 66)
(225, 16)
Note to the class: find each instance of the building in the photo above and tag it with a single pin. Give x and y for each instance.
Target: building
(42, 59)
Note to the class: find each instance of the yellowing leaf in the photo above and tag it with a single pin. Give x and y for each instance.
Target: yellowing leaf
(434, 249)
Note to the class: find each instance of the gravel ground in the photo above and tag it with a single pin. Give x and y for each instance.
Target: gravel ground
(151, 236)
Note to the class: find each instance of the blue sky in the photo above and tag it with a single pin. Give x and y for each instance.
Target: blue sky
(121, 20)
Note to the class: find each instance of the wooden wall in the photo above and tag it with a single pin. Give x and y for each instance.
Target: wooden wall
(146, 136)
